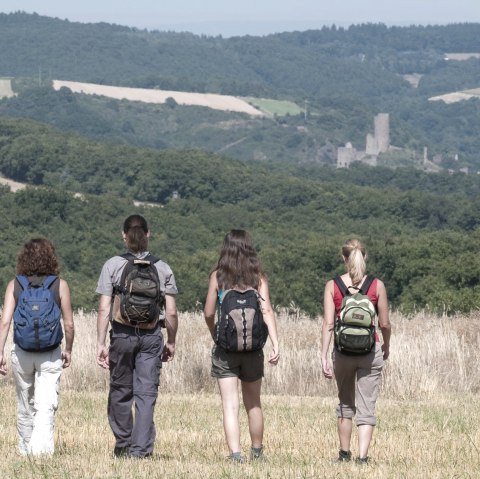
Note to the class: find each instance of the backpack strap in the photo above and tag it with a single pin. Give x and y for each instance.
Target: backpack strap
(22, 281)
(131, 257)
(48, 281)
(341, 286)
(366, 284)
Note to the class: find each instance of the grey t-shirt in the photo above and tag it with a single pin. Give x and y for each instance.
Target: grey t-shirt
(112, 272)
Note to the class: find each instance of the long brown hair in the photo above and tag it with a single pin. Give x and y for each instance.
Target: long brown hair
(37, 258)
(238, 265)
(135, 228)
(355, 256)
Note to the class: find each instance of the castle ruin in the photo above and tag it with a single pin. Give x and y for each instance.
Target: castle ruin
(377, 143)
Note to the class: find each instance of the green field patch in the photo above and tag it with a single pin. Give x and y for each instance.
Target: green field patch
(275, 107)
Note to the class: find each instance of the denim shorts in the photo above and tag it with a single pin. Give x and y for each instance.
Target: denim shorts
(245, 366)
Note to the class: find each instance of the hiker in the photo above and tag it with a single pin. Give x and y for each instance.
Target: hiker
(238, 274)
(37, 296)
(137, 298)
(357, 367)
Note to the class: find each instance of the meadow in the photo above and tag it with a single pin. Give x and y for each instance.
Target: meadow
(427, 414)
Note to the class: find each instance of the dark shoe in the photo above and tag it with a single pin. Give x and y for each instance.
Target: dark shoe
(362, 461)
(256, 454)
(120, 451)
(146, 456)
(237, 458)
(344, 456)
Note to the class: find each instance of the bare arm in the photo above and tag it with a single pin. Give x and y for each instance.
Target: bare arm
(327, 328)
(270, 320)
(171, 317)
(383, 318)
(210, 303)
(67, 316)
(8, 309)
(102, 328)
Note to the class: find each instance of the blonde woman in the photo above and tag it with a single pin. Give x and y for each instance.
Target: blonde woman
(357, 376)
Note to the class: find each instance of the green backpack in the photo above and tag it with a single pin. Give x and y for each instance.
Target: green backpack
(355, 326)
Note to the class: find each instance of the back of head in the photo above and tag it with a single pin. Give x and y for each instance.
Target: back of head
(135, 228)
(37, 258)
(238, 264)
(355, 256)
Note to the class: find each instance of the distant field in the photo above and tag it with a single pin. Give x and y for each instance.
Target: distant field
(275, 107)
(6, 88)
(461, 56)
(209, 100)
(457, 96)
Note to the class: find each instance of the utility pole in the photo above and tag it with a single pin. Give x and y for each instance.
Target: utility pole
(305, 111)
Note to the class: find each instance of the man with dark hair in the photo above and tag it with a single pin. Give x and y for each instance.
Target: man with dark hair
(137, 297)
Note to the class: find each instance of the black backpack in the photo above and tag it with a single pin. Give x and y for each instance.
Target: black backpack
(141, 298)
(240, 326)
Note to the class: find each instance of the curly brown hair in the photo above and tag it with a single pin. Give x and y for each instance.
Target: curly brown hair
(37, 258)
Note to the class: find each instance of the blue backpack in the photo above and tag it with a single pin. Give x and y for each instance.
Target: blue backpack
(36, 320)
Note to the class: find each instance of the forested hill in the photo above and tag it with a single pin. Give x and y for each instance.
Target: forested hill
(339, 78)
(421, 240)
(365, 59)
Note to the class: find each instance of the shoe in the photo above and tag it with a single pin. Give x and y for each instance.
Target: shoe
(120, 451)
(344, 456)
(362, 461)
(146, 456)
(237, 458)
(256, 454)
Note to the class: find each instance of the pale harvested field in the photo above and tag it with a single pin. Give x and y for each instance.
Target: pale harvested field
(210, 100)
(461, 56)
(428, 411)
(13, 185)
(6, 88)
(456, 96)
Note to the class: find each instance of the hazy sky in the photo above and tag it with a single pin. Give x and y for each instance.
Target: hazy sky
(254, 17)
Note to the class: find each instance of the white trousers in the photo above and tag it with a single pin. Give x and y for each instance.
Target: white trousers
(37, 379)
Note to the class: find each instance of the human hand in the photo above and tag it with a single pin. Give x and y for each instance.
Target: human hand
(3, 365)
(274, 356)
(67, 358)
(168, 352)
(102, 357)
(386, 351)
(327, 369)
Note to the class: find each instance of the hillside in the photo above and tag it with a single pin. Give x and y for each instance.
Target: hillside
(340, 78)
(420, 229)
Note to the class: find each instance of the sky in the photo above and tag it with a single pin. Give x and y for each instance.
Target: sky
(250, 17)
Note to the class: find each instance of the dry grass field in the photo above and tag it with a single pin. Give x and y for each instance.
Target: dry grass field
(210, 100)
(428, 411)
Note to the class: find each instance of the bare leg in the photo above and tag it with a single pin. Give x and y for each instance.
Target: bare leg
(344, 427)
(230, 403)
(251, 400)
(365, 432)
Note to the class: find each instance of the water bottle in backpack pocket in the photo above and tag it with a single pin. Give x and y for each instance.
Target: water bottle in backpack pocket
(37, 316)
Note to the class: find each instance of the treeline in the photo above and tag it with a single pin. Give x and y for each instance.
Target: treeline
(421, 241)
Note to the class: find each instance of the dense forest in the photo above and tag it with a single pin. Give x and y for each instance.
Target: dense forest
(344, 75)
(421, 229)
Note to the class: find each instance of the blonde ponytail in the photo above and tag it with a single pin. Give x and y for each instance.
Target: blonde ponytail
(355, 259)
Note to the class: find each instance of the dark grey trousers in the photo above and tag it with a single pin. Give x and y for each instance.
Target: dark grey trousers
(135, 362)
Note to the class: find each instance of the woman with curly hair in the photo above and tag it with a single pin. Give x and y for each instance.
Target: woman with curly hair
(37, 370)
(239, 268)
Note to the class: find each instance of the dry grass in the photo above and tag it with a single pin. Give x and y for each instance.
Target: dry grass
(210, 100)
(428, 411)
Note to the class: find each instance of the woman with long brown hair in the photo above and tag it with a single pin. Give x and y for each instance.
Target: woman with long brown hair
(37, 370)
(357, 375)
(238, 268)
